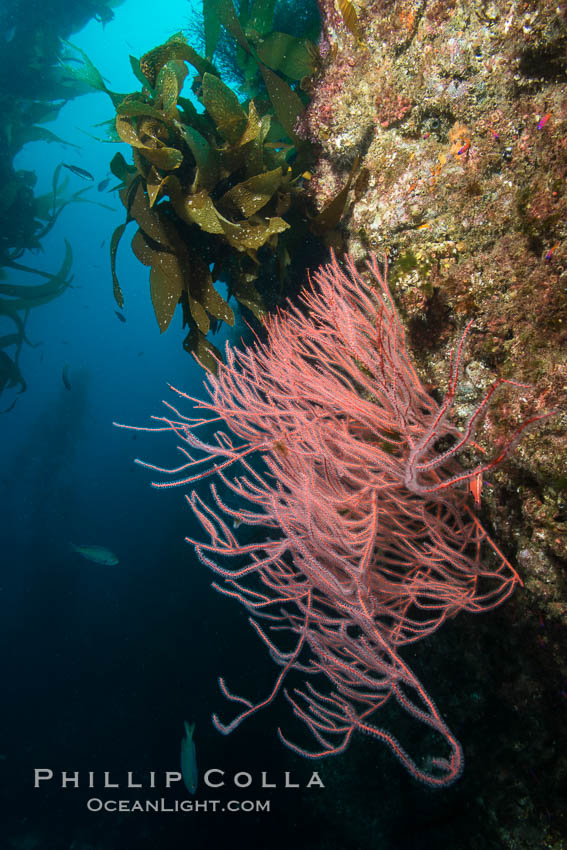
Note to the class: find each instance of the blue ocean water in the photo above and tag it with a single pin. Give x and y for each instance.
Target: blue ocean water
(105, 663)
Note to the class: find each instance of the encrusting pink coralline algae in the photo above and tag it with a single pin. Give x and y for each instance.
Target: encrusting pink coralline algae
(367, 540)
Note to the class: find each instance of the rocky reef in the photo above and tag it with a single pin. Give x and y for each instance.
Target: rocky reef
(457, 114)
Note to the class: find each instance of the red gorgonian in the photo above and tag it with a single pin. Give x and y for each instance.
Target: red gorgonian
(367, 540)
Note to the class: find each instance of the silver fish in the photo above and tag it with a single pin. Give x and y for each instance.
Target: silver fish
(96, 554)
(80, 172)
(189, 759)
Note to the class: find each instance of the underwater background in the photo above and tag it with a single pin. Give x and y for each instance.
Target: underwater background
(104, 663)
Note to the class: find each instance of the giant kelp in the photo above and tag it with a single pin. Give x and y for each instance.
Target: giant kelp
(217, 192)
(16, 301)
(31, 46)
(280, 36)
(25, 219)
(34, 84)
(208, 189)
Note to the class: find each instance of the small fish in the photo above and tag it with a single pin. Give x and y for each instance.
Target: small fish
(549, 254)
(120, 316)
(104, 15)
(65, 377)
(189, 759)
(80, 172)
(96, 554)
(543, 121)
(103, 184)
(464, 148)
